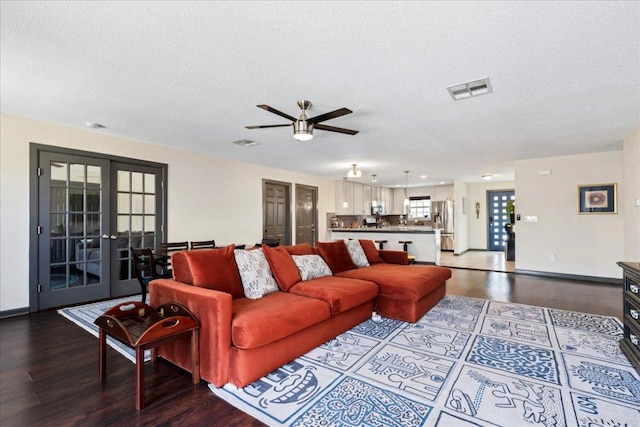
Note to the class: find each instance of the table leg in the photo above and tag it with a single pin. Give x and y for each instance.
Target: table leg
(195, 357)
(102, 357)
(139, 378)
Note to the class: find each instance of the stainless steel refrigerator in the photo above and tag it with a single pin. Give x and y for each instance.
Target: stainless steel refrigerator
(442, 215)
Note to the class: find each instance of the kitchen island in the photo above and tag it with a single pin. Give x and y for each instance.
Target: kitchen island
(425, 246)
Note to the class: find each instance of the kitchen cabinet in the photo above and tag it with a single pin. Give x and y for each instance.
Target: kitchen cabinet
(443, 192)
(357, 190)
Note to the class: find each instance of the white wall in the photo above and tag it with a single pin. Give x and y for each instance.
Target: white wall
(477, 193)
(208, 197)
(630, 198)
(587, 245)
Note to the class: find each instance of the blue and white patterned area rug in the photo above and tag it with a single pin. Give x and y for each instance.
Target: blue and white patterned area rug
(468, 362)
(84, 315)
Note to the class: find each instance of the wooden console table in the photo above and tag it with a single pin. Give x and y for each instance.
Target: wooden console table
(141, 327)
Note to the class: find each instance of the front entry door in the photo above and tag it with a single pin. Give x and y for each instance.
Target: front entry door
(276, 212)
(306, 214)
(497, 218)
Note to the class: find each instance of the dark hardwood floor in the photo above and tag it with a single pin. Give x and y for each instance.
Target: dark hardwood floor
(49, 366)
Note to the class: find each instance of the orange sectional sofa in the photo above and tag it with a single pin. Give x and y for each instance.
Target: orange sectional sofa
(243, 339)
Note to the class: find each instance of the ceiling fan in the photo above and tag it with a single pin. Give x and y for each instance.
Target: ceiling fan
(303, 127)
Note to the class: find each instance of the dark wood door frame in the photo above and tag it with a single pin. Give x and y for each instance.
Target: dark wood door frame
(288, 188)
(314, 191)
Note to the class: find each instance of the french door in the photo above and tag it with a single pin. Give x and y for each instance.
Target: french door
(497, 218)
(90, 211)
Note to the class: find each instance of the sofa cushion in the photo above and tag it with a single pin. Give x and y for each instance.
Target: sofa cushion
(340, 293)
(311, 266)
(283, 267)
(255, 273)
(410, 283)
(300, 249)
(214, 269)
(356, 253)
(370, 250)
(259, 322)
(336, 255)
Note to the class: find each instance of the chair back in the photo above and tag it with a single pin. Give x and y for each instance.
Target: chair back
(205, 244)
(271, 242)
(170, 247)
(143, 263)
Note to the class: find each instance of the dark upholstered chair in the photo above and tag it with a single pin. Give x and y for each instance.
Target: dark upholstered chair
(146, 268)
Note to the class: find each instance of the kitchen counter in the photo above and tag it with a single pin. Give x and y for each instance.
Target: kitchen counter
(425, 246)
(391, 229)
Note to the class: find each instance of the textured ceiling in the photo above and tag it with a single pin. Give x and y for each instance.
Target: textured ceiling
(566, 79)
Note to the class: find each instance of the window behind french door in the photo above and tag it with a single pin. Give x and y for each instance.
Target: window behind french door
(90, 211)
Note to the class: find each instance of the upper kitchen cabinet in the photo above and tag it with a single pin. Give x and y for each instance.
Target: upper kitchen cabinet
(443, 192)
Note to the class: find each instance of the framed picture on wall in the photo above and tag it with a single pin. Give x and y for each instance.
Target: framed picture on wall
(598, 199)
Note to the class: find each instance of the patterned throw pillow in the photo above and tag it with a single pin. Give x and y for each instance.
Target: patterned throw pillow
(255, 273)
(311, 266)
(357, 253)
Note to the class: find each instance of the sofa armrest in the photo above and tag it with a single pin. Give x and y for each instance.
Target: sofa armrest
(214, 310)
(394, 257)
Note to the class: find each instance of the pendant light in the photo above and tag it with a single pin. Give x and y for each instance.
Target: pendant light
(406, 196)
(344, 193)
(374, 202)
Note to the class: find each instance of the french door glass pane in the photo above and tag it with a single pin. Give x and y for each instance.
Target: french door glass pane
(75, 189)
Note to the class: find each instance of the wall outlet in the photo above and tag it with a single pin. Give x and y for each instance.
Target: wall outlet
(530, 218)
(552, 257)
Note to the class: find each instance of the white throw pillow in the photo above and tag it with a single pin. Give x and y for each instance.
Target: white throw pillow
(357, 253)
(255, 273)
(311, 266)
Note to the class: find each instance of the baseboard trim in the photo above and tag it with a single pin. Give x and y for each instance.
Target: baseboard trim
(564, 276)
(14, 312)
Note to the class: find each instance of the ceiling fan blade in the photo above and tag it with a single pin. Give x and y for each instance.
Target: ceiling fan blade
(335, 129)
(266, 126)
(274, 111)
(329, 115)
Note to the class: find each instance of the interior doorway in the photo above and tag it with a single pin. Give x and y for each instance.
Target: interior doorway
(306, 214)
(87, 210)
(276, 209)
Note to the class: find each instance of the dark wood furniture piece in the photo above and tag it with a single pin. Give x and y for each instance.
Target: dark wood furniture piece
(630, 344)
(141, 327)
(205, 244)
(405, 247)
(148, 266)
(381, 244)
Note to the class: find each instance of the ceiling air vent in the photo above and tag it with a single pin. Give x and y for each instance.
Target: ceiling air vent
(470, 89)
(246, 143)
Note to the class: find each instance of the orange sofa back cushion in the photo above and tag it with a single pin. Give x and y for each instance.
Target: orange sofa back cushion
(213, 269)
(300, 249)
(336, 255)
(283, 267)
(370, 250)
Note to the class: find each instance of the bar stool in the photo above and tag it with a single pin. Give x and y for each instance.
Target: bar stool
(381, 243)
(405, 246)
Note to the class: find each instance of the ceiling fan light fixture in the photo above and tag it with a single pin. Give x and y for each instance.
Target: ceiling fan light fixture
(302, 131)
(354, 172)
